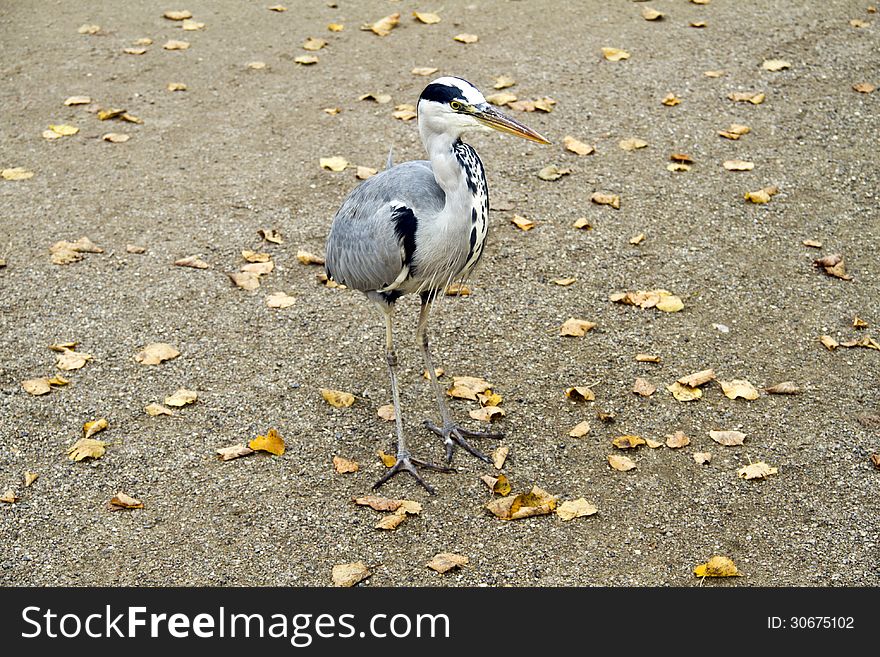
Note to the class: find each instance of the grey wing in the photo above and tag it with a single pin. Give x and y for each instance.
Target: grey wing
(372, 238)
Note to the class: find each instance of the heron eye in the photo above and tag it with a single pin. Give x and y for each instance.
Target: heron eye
(455, 105)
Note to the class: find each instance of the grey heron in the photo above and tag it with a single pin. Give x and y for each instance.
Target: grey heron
(415, 228)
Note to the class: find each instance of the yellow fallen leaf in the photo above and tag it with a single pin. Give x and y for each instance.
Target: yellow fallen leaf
(702, 458)
(36, 387)
(344, 466)
(155, 353)
(762, 195)
(650, 14)
(180, 15)
(9, 497)
(647, 358)
(89, 29)
(580, 393)
(563, 282)
(579, 508)
(738, 165)
(717, 566)
(424, 70)
(580, 430)
(713, 74)
(502, 98)
(337, 398)
(446, 561)
(336, 27)
(349, 574)
(254, 256)
(313, 44)
(582, 223)
(154, 409)
(697, 379)
(305, 60)
(245, 280)
(272, 442)
(110, 113)
(859, 23)
(525, 505)
(684, 393)
(499, 456)
(335, 163)
(678, 166)
(457, 289)
(747, 97)
(670, 100)
(739, 388)
(621, 463)
(362, 173)
(378, 503)
(677, 440)
(64, 130)
(86, 448)
(259, 268)
(489, 398)
(427, 18)
(614, 54)
(637, 239)
(391, 521)
(193, 261)
(134, 51)
(29, 478)
(775, 64)
(280, 300)
(121, 501)
(552, 172)
(864, 87)
(661, 299)
(257, 65)
(277, 8)
(522, 223)
(16, 173)
(191, 25)
(466, 38)
(72, 360)
(93, 427)
(628, 442)
(233, 452)
(858, 322)
(405, 112)
(759, 470)
(602, 198)
(468, 387)
(116, 138)
(181, 397)
(576, 146)
(830, 343)
(576, 327)
(487, 413)
(174, 44)
(728, 438)
(698, 24)
(784, 388)
(145, 41)
(503, 82)
(383, 26)
(632, 144)
(735, 131)
(499, 485)
(644, 387)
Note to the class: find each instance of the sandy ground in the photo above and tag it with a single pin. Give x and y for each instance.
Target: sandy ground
(238, 152)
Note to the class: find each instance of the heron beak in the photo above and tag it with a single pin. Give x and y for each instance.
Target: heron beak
(491, 117)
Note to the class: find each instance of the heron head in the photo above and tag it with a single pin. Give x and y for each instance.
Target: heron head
(455, 106)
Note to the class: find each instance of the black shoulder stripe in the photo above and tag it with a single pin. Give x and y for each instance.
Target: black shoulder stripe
(405, 225)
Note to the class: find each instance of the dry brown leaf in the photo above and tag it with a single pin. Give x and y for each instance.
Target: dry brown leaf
(89, 29)
(193, 261)
(386, 412)
(86, 448)
(762, 195)
(784, 388)
(305, 60)
(830, 343)
(29, 478)
(344, 466)
(499, 456)
(9, 497)
(180, 15)
(632, 144)
(747, 97)
(424, 70)
(739, 388)
(72, 360)
(522, 223)
(576, 327)
(337, 398)
(405, 112)
(661, 299)
(277, 8)
(697, 379)
(391, 521)
(116, 137)
(233, 452)
(628, 442)
(677, 440)
(457, 290)
(191, 26)
(174, 44)
(621, 463)
(647, 358)
(16, 173)
(259, 268)
(735, 131)
(717, 567)
(759, 470)
(579, 508)
(606, 416)
(702, 458)
(858, 322)
(362, 173)
(563, 282)
(157, 409)
(602, 198)
(348, 574)
(181, 397)
(650, 14)
(95, 426)
(833, 265)
(553, 172)
(738, 165)
(503, 82)
(728, 438)
(670, 100)
(487, 413)
(865, 341)
(258, 66)
(577, 147)
(466, 38)
(446, 561)
(580, 393)
(713, 74)
(582, 223)
(637, 239)
(334, 163)
(110, 113)
(280, 300)
(580, 430)
(77, 100)
(378, 503)
(678, 166)
(468, 387)
(253, 256)
(64, 130)
(684, 393)
(428, 18)
(314, 44)
(499, 485)
(307, 258)
(775, 65)
(383, 26)
(698, 24)
(378, 98)
(864, 87)
(134, 51)
(489, 398)
(859, 23)
(36, 387)
(875, 459)
(272, 442)
(155, 353)
(614, 54)
(121, 501)
(644, 387)
(524, 505)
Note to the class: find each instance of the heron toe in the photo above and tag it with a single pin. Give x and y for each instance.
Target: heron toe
(405, 463)
(453, 434)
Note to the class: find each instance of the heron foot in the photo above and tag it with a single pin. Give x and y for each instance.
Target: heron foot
(453, 435)
(405, 463)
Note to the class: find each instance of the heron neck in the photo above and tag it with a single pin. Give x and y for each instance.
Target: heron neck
(448, 170)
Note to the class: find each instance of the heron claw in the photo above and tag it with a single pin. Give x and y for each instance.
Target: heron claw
(405, 463)
(453, 435)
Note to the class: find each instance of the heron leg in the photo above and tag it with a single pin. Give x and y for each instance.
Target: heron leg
(452, 433)
(405, 461)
